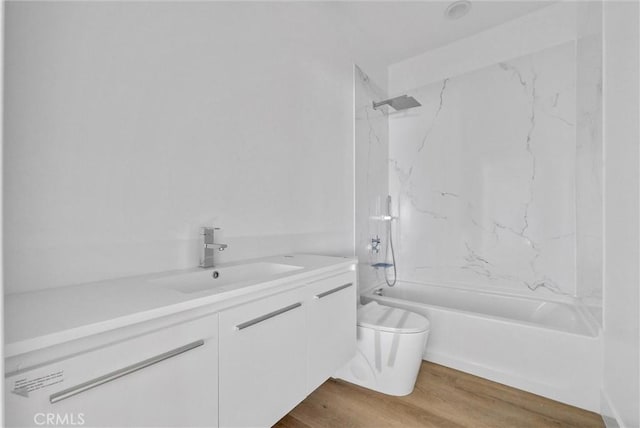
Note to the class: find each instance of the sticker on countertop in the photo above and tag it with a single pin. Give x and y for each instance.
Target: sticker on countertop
(25, 385)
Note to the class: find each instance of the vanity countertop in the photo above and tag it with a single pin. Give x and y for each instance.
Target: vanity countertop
(39, 319)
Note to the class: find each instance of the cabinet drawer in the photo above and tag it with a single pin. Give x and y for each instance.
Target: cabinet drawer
(331, 321)
(164, 378)
(262, 360)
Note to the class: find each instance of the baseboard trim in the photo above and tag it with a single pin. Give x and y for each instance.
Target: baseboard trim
(610, 415)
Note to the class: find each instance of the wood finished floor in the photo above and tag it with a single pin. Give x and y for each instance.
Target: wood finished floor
(443, 398)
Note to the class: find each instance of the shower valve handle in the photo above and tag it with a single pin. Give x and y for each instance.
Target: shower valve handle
(375, 244)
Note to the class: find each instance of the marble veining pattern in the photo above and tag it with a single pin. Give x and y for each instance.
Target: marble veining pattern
(485, 177)
(372, 147)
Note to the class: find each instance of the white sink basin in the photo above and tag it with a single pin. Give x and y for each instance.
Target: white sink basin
(224, 278)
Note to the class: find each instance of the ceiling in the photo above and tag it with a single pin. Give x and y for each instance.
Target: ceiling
(391, 31)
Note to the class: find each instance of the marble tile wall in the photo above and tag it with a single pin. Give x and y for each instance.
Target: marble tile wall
(371, 181)
(589, 171)
(484, 175)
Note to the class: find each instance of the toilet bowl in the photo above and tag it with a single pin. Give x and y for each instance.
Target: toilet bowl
(391, 343)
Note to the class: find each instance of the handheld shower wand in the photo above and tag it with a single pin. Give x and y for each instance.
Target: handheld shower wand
(393, 253)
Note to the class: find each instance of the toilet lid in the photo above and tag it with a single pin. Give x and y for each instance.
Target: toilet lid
(386, 318)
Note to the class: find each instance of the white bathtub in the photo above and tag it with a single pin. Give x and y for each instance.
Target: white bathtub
(547, 348)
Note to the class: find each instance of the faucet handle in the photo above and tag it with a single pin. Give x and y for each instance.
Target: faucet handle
(208, 229)
(208, 234)
(375, 244)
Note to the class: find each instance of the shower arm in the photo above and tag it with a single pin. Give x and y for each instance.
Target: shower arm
(381, 103)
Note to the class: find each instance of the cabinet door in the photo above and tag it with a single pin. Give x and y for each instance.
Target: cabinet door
(331, 318)
(262, 360)
(164, 378)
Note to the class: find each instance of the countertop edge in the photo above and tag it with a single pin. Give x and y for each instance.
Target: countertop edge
(52, 339)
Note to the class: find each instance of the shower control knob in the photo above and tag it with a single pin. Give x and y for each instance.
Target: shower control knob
(375, 244)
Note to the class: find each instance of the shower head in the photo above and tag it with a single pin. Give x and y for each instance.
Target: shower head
(402, 102)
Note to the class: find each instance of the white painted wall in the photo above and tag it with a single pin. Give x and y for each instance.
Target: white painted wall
(621, 395)
(130, 125)
(1, 202)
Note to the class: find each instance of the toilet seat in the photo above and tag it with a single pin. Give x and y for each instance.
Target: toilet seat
(392, 320)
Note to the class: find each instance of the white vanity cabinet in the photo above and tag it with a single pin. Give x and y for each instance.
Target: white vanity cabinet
(239, 355)
(262, 360)
(277, 350)
(331, 325)
(166, 377)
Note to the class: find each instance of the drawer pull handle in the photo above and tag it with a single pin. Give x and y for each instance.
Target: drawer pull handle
(74, 390)
(335, 290)
(267, 316)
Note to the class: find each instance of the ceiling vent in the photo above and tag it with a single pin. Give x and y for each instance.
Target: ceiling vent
(457, 9)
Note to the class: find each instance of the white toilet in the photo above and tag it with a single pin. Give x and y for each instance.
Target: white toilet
(391, 342)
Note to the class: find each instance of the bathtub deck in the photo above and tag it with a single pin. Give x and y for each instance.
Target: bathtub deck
(443, 398)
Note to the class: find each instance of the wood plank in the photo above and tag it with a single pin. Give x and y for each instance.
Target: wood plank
(443, 398)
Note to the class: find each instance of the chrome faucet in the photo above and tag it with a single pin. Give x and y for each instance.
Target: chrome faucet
(208, 245)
